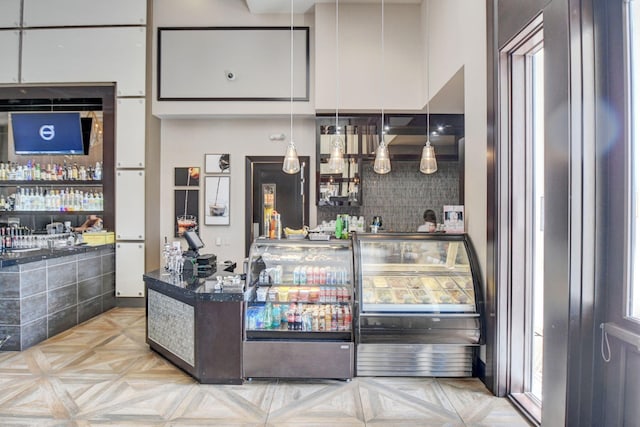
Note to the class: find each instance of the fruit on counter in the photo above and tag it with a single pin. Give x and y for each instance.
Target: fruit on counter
(288, 230)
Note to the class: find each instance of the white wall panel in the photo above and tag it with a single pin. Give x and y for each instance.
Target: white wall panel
(47, 13)
(130, 133)
(196, 64)
(9, 52)
(9, 13)
(129, 269)
(130, 207)
(86, 55)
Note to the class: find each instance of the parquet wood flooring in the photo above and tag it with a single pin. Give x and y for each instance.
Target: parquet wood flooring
(102, 373)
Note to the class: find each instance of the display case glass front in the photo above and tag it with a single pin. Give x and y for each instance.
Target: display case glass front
(300, 290)
(415, 273)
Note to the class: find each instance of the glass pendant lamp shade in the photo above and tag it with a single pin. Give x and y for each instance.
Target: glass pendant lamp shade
(382, 163)
(336, 160)
(291, 163)
(428, 162)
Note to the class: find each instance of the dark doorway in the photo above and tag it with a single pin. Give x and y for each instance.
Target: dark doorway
(268, 188)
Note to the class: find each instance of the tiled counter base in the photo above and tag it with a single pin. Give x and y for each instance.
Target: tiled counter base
(46, 296)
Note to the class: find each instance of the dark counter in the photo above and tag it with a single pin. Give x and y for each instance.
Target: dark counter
(194, 326)
(47, 291)
(190, 288)
(21, 256)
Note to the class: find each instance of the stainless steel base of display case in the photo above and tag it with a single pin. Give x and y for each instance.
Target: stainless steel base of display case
(287, 359)
(415, 360)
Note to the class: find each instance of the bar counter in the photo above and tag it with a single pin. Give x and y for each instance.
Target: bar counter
(46, 291)
(195, 326)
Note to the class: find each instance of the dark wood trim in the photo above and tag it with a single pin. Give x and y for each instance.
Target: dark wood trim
(248, 202)
(57, 94)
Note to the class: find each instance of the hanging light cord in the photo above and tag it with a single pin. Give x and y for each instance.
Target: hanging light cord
(428, 66)
(382, 72)
(291, 79)
(337, 69)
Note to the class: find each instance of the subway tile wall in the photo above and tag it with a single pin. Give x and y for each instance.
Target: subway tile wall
(401, 196)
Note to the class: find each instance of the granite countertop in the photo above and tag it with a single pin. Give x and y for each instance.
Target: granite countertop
(21, 256)
(194, 287)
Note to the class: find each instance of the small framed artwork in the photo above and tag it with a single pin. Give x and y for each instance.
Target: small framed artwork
(186, 211)
(187, 177)
(216, 201)
(217, 163)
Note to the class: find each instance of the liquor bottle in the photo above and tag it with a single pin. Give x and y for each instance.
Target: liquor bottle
(97, 173)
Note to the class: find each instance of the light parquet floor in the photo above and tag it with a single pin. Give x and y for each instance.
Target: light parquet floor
(101, 373)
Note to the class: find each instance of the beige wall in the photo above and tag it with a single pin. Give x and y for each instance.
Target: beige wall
(457, 31)
(184, 143)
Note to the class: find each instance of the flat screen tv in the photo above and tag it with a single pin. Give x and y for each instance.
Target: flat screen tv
(47, 133)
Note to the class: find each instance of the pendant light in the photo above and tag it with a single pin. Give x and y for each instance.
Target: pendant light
(291, 163)
(428, 162)
(382, 162)
(336, 159)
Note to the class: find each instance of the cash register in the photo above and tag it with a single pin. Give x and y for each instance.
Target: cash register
(194, 262)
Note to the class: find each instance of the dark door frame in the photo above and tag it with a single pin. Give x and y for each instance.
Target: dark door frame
(248, 202)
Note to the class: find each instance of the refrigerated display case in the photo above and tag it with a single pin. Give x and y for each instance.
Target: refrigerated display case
(419, 310)
(298, 317)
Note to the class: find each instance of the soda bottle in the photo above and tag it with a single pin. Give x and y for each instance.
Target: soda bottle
(338, 227)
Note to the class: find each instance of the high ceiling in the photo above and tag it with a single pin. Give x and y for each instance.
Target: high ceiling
(302, 6)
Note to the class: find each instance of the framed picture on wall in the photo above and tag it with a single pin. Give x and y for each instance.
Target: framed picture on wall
(217, 163)
(216, 200)
(186, 211)
(187, 177)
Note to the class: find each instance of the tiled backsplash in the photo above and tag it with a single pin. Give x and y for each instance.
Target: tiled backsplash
(401, 196)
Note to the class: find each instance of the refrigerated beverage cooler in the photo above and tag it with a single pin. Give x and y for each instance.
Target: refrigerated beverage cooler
(299, 310)
(419, 310)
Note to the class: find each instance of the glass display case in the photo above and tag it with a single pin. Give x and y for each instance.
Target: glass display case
(419, 305)
(299, 309)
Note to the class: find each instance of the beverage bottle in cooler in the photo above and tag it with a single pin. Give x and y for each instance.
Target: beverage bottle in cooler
(314, 320)
(327, 318)
(275, 317)
(267, 314)
(321, 319)
(334, 318)
(341, 316)
(347, 318)
(310, 276)
(323, 276)
(298, 320)
(303, 275)
(290, 319)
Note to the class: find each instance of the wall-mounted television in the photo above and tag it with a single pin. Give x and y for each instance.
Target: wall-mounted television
(47, 133)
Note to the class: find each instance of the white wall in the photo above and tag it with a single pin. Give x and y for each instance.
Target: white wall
(224, 13)
(184, 143)
(457, 32)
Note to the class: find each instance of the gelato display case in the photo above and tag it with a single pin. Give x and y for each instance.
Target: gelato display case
(299, 305)
(419, 307)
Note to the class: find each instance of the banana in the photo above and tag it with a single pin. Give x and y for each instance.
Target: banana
(288, 230)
